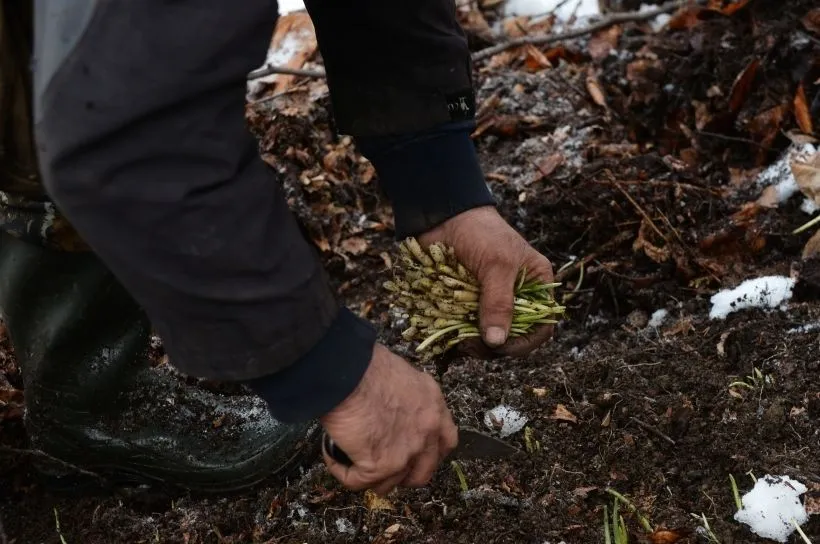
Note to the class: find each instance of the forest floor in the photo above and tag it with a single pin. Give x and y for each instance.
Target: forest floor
(637, 159)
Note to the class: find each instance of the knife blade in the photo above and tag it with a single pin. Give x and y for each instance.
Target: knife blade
(472, 444)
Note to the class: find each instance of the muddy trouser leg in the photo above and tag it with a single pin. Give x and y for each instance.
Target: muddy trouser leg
(92, 398)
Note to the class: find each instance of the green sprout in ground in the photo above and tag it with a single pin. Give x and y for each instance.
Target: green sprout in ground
(757, 381)
(614, 526)
(440, 297)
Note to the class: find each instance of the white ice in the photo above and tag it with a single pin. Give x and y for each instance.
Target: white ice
(764, 292)
(564, 9)
(772, 507)
(511, 420)
(657, 318)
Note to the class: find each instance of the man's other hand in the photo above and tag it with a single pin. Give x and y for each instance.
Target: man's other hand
(495, 253)
(395, 427)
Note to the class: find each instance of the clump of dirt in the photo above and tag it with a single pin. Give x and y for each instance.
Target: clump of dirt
(628, 157)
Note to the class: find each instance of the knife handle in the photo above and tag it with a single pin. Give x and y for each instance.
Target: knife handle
(335, 452)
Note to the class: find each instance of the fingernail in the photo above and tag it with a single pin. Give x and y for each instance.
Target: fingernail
(495, 336)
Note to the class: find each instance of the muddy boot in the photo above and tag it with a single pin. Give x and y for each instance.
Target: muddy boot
(93, 399)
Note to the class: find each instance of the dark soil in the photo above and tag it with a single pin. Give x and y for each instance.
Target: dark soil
(659, 217)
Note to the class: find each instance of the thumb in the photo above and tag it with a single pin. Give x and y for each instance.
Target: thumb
(496, 304)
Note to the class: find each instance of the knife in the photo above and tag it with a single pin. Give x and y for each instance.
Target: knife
(472, 444)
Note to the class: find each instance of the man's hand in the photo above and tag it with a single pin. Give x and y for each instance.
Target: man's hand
(395, 427)
(495, 253)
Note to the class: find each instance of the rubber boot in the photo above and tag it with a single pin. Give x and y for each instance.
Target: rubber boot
(93, 400)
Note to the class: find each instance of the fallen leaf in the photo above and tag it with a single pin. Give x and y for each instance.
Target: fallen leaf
(801, 110)
(355, 245)
(685, 19)
(516, 27)
(603, 42)
(812, 504)
(392, 529)
(812, 21)
(375, 503)
(594, 89)
(734, 7)
(657, 254)
(812, 247)
(535, 60)
(770, 197)
(683, 326)
(663, 536)
(563, 414)
(540, 392)
(582, 492)
(548, 165)
(742, 86)
(807, 175)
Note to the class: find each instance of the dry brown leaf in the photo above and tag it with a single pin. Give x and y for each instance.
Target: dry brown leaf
(540, 392)
(604, 41)
(595, 90)
(582, 492)
(734, 7)
(684, 19)
(374, 502)
(683, 326)
(801, 110)
(665, 536)
(642, 243)
(769, 198)
(548, 165)
(516, 27)
(807, 175)
(812, 504)
(535, 60)
(812, 247)
(812, 21)
(355, 245)
(563, 414)
(742, 86)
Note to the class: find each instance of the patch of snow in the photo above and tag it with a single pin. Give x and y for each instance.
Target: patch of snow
(772, 507)
(808, 327)
(564, 9)
(298, 509)
(598, 319)
(287, 6)
(764, 292)
(780, 174)
(657, 318)
(345, 526)
(808, 206)
(511, 421)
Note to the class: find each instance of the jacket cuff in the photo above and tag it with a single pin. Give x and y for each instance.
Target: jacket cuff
(324, 377)
(429, 176)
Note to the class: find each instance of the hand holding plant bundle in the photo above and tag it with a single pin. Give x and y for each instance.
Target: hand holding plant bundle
(441, 298)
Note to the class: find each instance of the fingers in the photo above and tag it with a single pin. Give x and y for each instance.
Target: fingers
(496, 303)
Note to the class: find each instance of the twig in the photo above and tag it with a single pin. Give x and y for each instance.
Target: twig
(270, 69)
(625, 17)
(43, 455)
(478, 56)
(647, 427)
(643, 213)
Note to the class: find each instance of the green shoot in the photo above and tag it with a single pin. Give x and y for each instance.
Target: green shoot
(440, 298)
(462, 480)
(735, 493)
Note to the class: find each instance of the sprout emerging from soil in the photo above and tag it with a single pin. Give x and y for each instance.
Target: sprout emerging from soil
(440, 298)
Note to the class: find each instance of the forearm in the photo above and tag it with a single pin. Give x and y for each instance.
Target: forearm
(399, 75)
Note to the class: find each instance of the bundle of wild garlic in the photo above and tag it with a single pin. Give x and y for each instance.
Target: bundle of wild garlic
(440, 298)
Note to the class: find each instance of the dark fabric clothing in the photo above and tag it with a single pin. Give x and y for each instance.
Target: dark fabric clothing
(429, 176)
(142, 143)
